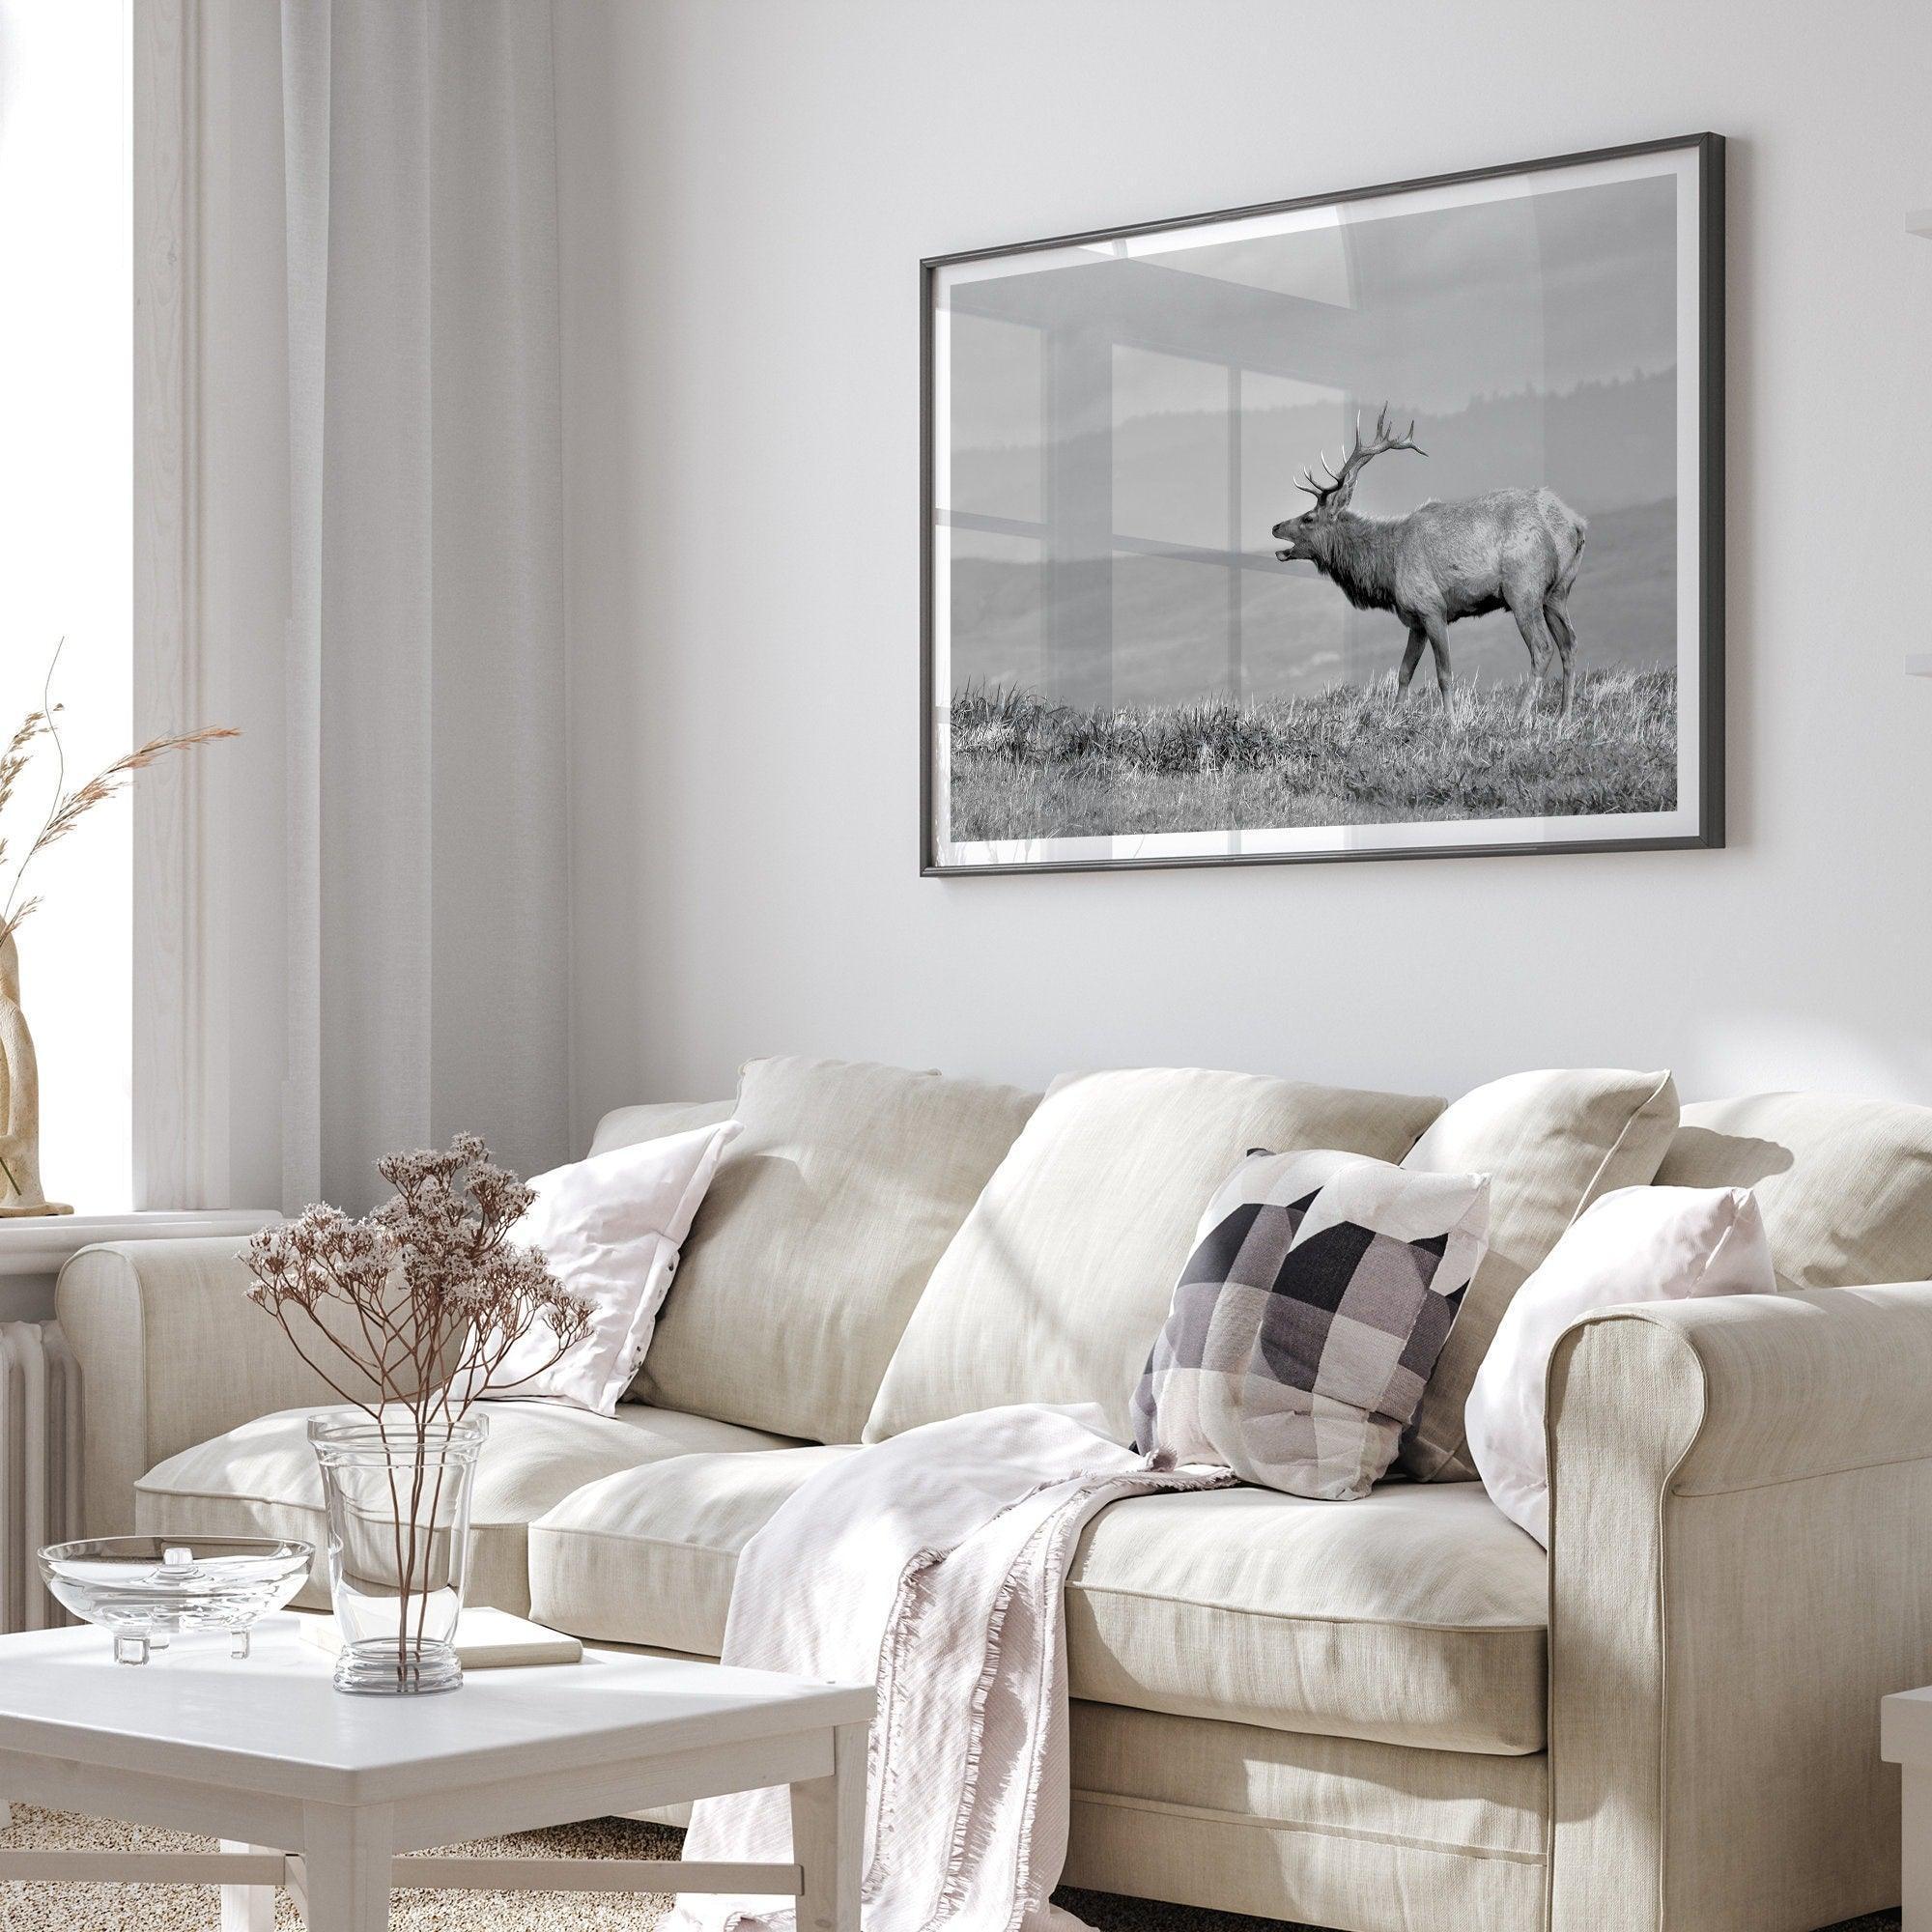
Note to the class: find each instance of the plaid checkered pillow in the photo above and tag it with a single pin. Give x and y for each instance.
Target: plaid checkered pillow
(1305, 1324)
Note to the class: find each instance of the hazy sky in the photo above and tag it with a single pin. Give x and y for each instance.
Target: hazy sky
(1534, 338)
(1546, 290)
(1537, 292)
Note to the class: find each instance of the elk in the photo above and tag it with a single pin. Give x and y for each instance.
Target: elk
(1511, 549)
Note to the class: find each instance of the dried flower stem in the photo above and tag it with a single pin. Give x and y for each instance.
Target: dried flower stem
(67, 809)
(431, 1295)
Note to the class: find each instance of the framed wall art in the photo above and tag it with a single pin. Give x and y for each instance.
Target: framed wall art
(1377, 524)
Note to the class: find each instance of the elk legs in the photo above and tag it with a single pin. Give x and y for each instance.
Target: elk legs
(1411, 658)
(1435, 633)
(1438, 642)
(1565, 633)
(1543, 648)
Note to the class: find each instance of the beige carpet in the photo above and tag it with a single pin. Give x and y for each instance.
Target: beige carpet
(195, 1908)
(185, 1908)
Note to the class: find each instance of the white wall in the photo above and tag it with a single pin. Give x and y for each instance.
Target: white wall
(747, 186)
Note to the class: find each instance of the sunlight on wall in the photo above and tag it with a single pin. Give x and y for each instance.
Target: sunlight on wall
(65, 488)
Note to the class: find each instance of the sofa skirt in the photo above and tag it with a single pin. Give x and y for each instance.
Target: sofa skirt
(1321, 1832)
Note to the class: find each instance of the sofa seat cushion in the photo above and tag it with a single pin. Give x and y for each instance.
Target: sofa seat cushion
(651, 1561)
(261, 1479)
(1415, 1616)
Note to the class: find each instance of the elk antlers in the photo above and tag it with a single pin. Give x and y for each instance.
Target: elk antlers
(1342, 483)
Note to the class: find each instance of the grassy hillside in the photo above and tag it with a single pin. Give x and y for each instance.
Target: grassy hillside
(1351, 755)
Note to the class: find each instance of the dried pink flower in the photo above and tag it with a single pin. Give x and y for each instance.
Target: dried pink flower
(426, 1296)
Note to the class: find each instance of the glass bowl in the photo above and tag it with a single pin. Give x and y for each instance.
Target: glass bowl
(145, 1590)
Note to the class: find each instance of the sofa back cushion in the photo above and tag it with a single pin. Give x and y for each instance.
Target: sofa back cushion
(818, 1232)
(1844, 1185)
(1550, 1141)
(1056, 1285)
(628, 1126)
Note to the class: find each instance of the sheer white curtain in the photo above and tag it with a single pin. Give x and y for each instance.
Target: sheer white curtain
(423, 696)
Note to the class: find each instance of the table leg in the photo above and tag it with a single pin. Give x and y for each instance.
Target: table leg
(247, 1908)
(828, 1832)
(346, 1856)
(1916, 1849)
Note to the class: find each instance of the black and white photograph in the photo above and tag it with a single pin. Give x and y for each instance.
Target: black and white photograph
(1386, 524)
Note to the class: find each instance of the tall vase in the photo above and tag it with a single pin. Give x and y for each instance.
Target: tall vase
(20, 1190)
(397, 1494)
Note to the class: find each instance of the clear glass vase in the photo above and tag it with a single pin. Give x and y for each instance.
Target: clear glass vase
(397, 1495)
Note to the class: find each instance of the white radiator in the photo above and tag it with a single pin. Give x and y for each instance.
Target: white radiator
(40, 1465)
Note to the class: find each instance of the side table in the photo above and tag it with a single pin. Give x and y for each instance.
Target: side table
(1905, 1739)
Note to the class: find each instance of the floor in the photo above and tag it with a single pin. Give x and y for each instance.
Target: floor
(97, 1908)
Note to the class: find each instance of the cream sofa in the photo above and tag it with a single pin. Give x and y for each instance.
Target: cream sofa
(1392, 1713)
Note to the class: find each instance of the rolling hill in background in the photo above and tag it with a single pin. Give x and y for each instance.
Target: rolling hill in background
(1599, 446)
(1297, 634)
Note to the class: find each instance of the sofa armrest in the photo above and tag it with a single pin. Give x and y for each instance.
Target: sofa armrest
(1740, 1567)
(171, 1352)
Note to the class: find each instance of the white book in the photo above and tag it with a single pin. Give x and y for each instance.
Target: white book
(485, 1640)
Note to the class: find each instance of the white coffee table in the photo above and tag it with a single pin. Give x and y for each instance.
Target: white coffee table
(1905, 1739)
(318, 1792)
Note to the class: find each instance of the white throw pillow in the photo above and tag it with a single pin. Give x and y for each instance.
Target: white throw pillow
(612, 1227)
(1637, 1245)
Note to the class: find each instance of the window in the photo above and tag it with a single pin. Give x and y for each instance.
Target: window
(65, 491)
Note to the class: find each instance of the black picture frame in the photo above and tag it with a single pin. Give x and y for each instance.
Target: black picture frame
(1708, 830)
